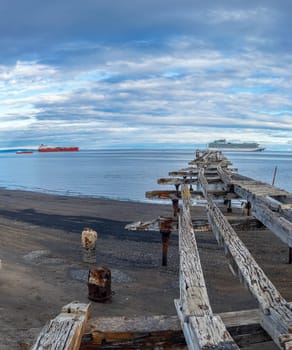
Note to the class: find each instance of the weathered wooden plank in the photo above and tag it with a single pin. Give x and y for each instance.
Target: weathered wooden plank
(202, 333)
(168, 194)
(163, 194)
(201, 328)
(224, 175)
(144, 332)
(275, 205)
(192, 172)
(199, 225)
(188, 181)
(274, 221)
(277, 315)
(277, 222)
(249, 188)
(244, 223)
(66, 330)
(164, 332)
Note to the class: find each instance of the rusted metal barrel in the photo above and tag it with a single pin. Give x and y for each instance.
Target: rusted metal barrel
(89, 238)
(99, 284)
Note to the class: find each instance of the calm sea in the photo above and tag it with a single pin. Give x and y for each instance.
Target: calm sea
(123, 175)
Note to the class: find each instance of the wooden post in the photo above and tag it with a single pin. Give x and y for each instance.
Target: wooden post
(89, 238)
(175, 207)
(248, 207)
(290, 256)
(229, 207)
(165, 226)
(274, 176)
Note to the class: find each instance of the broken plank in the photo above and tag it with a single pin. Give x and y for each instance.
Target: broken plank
(64, 331)
(122, 332)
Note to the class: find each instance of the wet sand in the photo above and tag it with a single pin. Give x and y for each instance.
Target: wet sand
(42, 267)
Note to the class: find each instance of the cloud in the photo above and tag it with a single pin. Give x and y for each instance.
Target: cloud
(108, 74)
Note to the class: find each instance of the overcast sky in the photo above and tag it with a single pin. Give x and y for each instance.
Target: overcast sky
(145, 73)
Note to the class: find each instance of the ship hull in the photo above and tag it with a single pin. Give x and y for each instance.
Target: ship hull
(230, 149)
(58, 149)
(24, 152)
(223, 145)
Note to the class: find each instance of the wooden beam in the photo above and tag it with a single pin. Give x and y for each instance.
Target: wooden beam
(262, 208)
(188, 181)
(201, 328)
(200, 225)
(66, 330)
(168, 194)
(276, 315)
(164, 332)
(144, 332)
(191, 172)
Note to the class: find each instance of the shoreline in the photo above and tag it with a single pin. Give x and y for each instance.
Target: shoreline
(42, 267)
(84, 196)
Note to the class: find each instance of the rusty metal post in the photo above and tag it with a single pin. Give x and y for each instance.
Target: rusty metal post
(229, 207)
(175, 207)
(165, 230)
(89, 238)
(99, 284)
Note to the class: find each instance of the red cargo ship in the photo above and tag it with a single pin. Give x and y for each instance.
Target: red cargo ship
(45, 148)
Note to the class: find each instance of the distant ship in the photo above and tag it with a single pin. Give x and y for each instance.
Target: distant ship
(45, 148)
(223, 145)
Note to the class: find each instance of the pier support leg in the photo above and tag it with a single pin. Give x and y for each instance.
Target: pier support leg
(248, 208)
(290, 256)
(175, 207)
(165, 230)
(229, 207)
(88, 239)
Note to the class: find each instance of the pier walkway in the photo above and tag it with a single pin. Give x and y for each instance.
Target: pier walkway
(210, 181)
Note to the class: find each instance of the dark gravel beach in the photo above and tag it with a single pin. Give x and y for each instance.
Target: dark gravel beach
(42, 267)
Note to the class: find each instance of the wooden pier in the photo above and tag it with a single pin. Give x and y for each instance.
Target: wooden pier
(196, 326)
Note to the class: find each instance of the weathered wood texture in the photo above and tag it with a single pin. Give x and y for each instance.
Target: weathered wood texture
(191, 180)
(164, 332)
(145, 332)
(195, 194)
(66, 330)
(244, 223)
(276, 314)
(201, 328)
(266, 204)
(158, 332)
